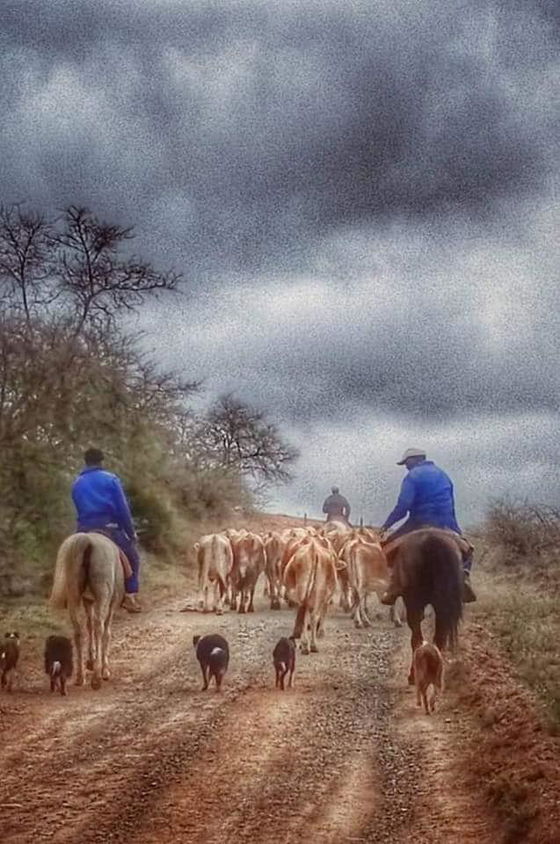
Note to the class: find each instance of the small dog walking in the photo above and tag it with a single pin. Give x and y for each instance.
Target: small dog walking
(212, 653)
(284, 658)
(58, 661)
(428, 671)
(9, 655)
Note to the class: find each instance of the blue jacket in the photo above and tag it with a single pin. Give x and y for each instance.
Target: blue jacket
(100, 500)
(427, 496)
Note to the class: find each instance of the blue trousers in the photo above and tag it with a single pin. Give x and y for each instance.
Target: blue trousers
(129, 547)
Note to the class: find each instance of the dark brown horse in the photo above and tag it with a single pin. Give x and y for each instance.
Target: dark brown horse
(427, 566)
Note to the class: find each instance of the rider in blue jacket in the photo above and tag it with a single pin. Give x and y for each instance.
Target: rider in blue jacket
(427, 497)
(101, 504)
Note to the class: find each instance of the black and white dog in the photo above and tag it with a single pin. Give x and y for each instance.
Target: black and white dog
(284, 658)
(58, 661)
(212, 653)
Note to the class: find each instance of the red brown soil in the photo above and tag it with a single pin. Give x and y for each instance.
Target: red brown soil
(344, 756)
(509, 751)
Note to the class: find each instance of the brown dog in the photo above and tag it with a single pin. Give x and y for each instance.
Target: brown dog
(9, 655)
(428, 671)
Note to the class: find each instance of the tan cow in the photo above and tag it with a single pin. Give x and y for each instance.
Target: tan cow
(310, 581)
(274, 546)
(367, 572)
(248, 563)
(338, 533)
(215, 559)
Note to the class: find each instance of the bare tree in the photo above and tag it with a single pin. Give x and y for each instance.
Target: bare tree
(239, 436)
(26, 251)
(97, 279)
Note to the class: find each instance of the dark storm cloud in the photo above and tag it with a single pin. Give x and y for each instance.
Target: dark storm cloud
(425, 330)
(236, 133)
(360, 195)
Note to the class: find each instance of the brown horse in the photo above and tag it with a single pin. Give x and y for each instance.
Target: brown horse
(427, 566)
(89, 572)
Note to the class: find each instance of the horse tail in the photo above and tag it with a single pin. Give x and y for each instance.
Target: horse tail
(302, 609)
(69, 561)
(446, 587)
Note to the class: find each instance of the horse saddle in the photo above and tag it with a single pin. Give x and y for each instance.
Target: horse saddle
(125, 562)
(391, 545)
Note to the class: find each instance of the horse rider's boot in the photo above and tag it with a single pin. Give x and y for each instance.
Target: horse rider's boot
(468, 594)
(130, 603)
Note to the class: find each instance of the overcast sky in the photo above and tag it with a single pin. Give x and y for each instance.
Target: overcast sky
(362, 197)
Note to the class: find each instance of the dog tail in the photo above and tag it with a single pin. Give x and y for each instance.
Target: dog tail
(217, 660)
(56, 668)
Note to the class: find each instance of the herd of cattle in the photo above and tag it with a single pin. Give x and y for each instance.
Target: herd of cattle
(303, 566)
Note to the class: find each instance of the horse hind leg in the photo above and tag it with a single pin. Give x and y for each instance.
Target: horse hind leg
(414, 619)
(99, 614)
(106, 644)
(78, 642)
(88, 606)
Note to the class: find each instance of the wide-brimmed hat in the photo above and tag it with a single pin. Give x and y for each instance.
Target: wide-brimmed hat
(411, 452)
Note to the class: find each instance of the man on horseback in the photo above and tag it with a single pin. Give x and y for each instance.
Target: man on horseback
(102, 506)
(336, 507)
(427, 497)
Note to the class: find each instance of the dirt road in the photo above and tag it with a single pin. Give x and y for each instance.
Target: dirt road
(344, 756)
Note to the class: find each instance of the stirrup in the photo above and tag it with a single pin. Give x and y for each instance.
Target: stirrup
(469, 596)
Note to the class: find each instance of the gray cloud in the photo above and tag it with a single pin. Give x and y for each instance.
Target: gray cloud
(360, 195)
(425, 330)
(260, 129)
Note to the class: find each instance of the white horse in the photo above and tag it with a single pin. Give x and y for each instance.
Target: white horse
(89, 571)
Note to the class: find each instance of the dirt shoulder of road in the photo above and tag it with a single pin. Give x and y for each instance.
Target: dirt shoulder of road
(506, 748)
(482, 769)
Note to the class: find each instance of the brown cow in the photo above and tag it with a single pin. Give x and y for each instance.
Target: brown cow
(338, 535)
(367, 572)
(292, 545)
(215, 560)
(248, 563)
(310, 581)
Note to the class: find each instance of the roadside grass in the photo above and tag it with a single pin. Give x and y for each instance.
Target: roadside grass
(524, 619)
(511, 801)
